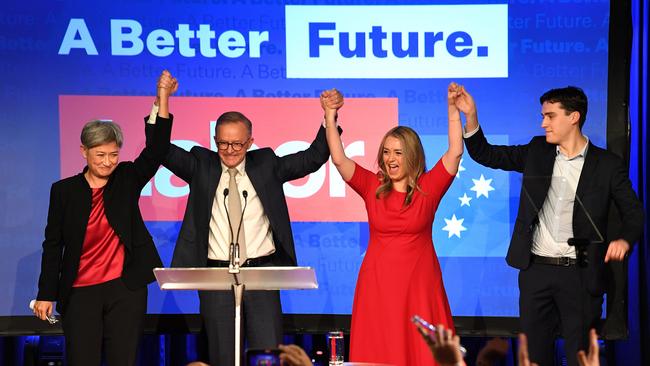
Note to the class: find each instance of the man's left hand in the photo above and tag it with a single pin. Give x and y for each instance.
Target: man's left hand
(617, 250)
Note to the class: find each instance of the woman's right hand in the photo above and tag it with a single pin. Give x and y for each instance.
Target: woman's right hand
(43, 309)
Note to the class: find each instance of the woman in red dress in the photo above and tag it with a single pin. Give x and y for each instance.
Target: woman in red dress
(400, 275)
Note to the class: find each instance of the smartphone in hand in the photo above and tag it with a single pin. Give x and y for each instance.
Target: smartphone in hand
(423, 325)
(263, 357)
(429, 330)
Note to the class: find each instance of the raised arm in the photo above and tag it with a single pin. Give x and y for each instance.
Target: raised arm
(298, 165)
(331, 100)
(167, 85)
(451, 158)
(506, 157)
(157, 132)
(465, 103)
(179, 161)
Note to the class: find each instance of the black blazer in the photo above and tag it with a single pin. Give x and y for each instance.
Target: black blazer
(67, 219)
(604, 179)
(201, 169)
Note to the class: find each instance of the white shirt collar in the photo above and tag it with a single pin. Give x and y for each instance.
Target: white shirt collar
(581, 154)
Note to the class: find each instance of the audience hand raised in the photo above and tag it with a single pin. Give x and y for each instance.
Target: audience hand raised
(593, 357)
(522, 354)
(444, 346)
(293, 355)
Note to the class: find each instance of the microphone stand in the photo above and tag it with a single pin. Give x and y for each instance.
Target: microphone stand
(235, 262)
(238, 286)
(233, 267)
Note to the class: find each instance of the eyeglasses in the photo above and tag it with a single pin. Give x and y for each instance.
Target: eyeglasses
(236, 146)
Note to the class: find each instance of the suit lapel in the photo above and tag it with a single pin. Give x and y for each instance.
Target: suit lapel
(213, 178)
(539, 183)
(581, 215)
(81, 198)
(588, 170)
(254, 174)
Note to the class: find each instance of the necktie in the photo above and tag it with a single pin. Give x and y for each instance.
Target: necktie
(235, 213)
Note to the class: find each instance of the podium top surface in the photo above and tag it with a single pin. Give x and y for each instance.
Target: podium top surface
(253, 278)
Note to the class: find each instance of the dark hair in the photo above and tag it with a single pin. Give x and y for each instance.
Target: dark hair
(571, 98)
(233, 117)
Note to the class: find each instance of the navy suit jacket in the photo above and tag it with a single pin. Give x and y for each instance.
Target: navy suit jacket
(201, 169)
(604, 179)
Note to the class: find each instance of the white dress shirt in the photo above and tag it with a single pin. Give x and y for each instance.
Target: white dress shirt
(555, 225)
(256, 226)
(556, 215)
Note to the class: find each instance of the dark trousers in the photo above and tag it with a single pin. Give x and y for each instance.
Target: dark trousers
(261, 315)
(108, 317)
(261, 322)
(552, 300)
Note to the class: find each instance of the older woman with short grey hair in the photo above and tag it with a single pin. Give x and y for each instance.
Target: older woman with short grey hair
(97, 254)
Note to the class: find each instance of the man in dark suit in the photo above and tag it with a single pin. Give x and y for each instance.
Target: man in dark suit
(253, 181)
(568, 185)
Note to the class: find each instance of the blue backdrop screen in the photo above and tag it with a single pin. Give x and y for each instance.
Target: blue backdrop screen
(392, 60)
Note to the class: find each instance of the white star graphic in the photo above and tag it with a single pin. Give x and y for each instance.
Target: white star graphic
(454, 226)
(482, 187)
(461, 168)
(464, 201)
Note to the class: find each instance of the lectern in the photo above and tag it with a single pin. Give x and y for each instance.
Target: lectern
(243, 278)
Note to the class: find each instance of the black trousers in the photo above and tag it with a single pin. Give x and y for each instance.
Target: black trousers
(108, 317)
(261, 320)
(554, 299)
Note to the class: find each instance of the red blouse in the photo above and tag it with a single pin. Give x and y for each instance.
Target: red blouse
(102, 254)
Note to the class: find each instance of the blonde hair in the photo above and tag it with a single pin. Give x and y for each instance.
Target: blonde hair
(413, 162)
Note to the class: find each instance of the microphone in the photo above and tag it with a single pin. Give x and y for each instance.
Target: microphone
(231, 250)
(50, 318)
(580, 245)
(241, 220)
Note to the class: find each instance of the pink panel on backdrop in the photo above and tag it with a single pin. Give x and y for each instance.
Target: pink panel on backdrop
(276, 123)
